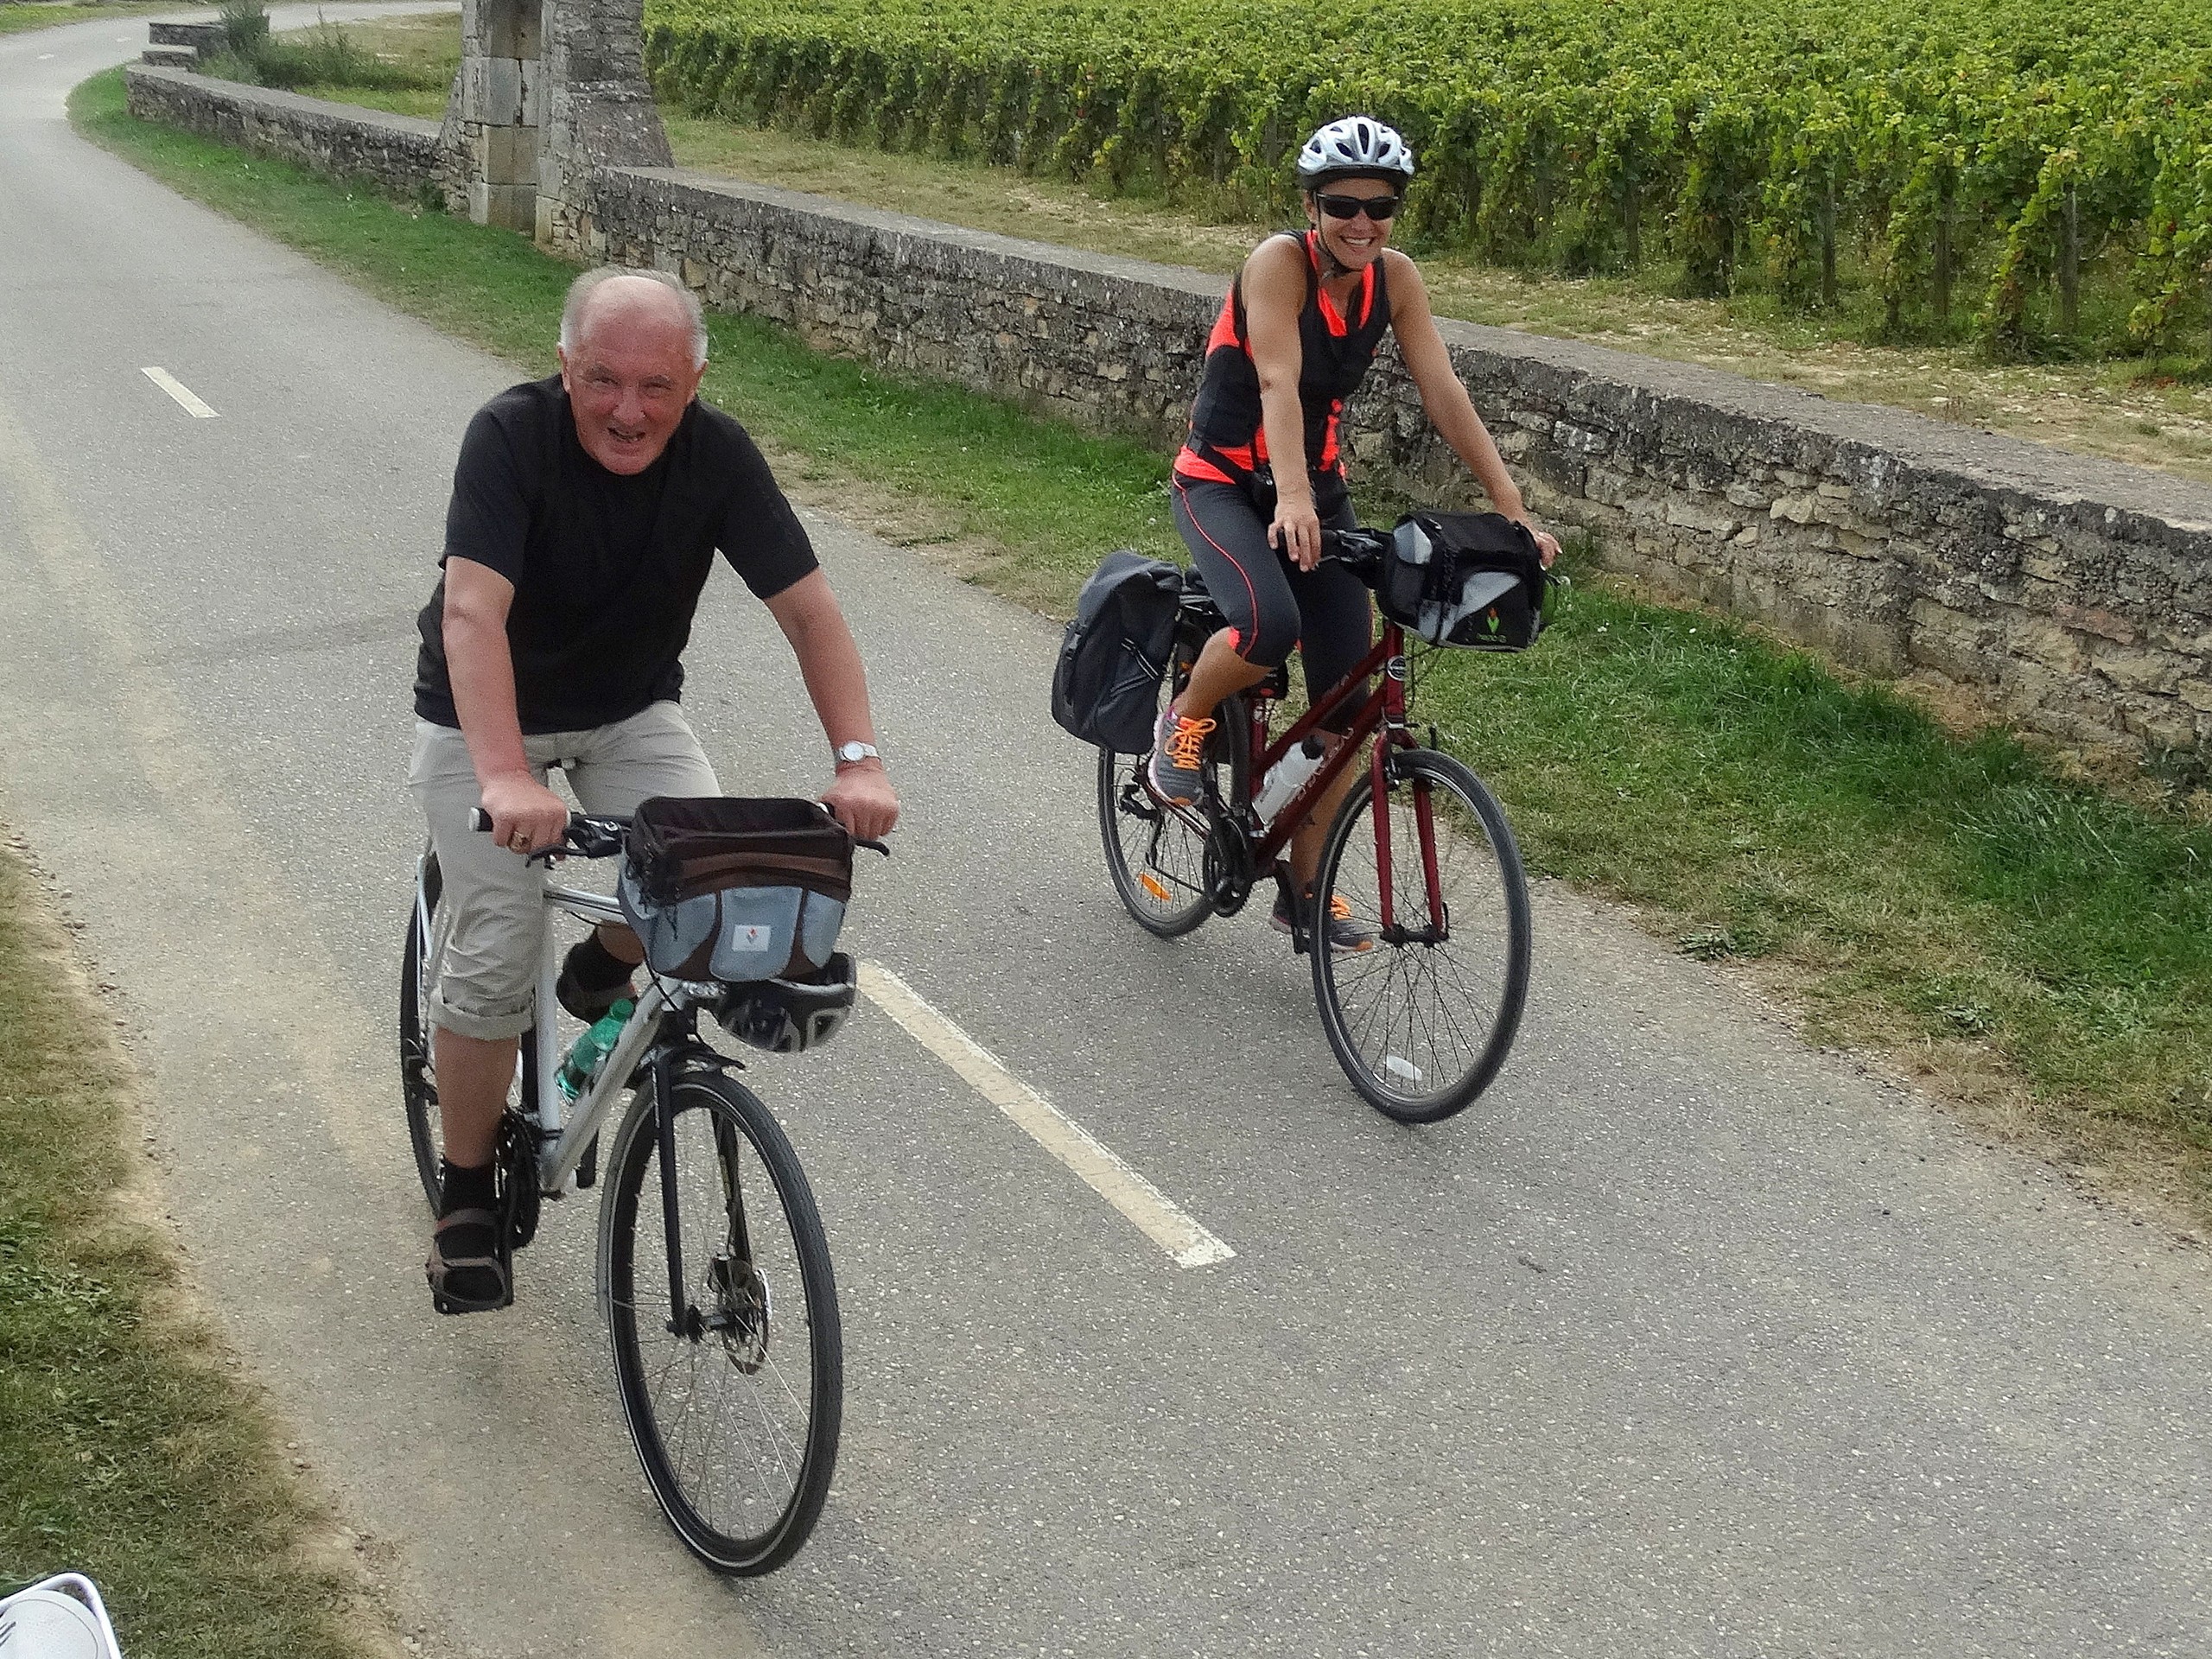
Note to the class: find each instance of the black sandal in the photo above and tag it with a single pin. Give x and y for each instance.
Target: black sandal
(440, 1267)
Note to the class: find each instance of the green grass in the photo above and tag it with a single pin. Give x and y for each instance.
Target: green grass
(130, 1452)
(1951, 899)
(19, 19)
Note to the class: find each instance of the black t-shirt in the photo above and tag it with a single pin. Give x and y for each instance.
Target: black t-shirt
(606, 570)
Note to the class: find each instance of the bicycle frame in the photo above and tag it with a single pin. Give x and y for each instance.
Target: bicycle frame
(565, 1133)
(1385, 712)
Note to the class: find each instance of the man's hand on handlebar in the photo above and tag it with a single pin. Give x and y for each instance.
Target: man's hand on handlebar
(525, 815)
(1296, 532)
(861, 799)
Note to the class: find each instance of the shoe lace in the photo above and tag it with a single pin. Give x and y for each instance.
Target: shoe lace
(1188, 742)
(1340, 907)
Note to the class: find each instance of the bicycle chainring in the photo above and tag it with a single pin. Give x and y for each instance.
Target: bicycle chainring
(1228, 865)
(519, 1202)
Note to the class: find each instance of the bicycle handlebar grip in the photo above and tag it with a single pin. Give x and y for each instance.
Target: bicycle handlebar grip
(479, 820)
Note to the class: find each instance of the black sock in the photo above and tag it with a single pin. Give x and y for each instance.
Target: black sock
(592, 966)
(462, 1188)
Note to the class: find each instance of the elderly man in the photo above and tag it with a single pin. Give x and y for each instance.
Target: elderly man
(587, 510)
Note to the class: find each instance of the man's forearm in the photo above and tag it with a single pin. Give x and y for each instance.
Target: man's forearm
(481, 670)
(837, 681)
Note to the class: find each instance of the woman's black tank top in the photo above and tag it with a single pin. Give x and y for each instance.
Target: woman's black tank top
(1228, 442)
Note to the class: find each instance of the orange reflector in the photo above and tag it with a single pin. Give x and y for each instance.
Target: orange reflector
(1153, 885)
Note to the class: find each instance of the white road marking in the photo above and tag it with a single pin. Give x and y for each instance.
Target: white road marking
(182, 393)
(1155, 1215)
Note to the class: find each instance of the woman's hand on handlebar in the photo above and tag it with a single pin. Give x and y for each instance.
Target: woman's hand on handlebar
(1296, 532)
(525, 815)
(1546, 544)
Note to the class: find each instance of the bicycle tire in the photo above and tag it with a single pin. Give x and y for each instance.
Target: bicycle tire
(738, 1285)
(419, 1088)
(1156, 860)
(1422, 1029)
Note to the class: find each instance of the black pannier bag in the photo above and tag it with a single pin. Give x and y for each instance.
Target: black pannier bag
(736, 890)
(1470, 578)
(1106, 685)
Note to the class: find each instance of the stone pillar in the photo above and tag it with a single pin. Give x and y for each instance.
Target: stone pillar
(492, 114)
(599, 111)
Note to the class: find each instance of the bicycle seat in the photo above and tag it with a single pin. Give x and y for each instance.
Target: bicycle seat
(1196, 601)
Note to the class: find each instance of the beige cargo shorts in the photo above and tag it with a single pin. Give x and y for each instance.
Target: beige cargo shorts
(486, 986)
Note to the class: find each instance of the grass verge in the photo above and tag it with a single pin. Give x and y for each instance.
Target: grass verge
(132, 1452)
(36, 14)
(2040, 950)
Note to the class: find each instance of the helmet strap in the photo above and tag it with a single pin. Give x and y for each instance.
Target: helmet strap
(1331, 265)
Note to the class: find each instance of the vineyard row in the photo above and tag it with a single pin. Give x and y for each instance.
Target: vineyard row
(1989, 181)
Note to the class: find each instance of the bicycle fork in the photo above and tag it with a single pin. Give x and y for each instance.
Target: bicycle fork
(734, 1278)
(1394, 735)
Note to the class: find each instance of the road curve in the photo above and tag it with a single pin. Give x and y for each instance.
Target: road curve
(1684, 1341)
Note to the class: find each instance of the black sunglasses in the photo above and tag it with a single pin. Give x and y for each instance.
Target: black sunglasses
(1377, 208)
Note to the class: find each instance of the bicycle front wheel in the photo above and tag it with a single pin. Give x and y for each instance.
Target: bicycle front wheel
(1423, 1016)
(733, 1389)
(1157, 856)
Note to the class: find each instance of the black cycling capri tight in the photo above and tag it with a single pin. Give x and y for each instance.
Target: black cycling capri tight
(1274, 606)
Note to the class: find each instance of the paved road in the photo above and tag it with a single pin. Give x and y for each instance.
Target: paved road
(1685, 1341)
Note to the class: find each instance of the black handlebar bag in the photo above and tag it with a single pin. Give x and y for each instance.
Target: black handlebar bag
(719, 888)
(1475, 580)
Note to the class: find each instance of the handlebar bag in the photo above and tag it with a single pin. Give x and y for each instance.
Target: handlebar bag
(730, 889)
(1106, 684)
(1468, 579)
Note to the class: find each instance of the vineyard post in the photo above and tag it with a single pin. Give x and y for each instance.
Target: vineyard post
(2069, 264)
(1942, 272)
(1828, 244)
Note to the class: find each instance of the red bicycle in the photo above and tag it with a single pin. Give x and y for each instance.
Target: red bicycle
(1423, 1017)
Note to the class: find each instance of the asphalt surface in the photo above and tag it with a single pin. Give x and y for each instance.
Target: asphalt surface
(1684, 1340)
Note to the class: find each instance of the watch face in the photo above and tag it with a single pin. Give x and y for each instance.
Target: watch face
(856, 752)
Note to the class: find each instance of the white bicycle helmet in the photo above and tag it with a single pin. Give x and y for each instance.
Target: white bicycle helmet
(1356, 146)
(785, 1016)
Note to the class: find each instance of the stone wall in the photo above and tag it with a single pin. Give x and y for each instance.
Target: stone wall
(2073, 594)
(394, 153)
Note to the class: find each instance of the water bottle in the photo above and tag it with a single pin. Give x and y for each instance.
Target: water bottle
(580, 1069)
(1288, 777)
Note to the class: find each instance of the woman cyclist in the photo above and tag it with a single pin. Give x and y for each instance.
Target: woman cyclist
(1261, 473)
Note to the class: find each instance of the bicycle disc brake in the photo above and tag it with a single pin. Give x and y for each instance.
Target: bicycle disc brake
(518, 1196)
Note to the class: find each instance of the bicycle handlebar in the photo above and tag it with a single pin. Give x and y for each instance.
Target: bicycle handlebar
(599, 834)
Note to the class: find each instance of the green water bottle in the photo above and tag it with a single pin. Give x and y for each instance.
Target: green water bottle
(590, 1052)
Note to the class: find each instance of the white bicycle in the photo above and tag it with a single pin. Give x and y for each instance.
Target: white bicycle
(722, 1318)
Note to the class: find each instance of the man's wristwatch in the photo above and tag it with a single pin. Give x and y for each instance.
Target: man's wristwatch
(854, 752)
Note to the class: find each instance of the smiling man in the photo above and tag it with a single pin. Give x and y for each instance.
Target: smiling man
(587, 510)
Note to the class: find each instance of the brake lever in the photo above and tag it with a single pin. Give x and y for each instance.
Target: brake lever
(873, 846)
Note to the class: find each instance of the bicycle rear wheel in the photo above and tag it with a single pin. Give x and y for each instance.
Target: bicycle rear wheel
(418, 1082)
(1422, 1017)
(735, 1397)
(1156, 857)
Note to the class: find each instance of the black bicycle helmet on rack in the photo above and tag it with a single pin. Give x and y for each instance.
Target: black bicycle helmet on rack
(785, 1016)
(1355, 147)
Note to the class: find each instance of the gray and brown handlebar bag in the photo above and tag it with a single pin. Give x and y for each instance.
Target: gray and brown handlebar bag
(725, 888)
